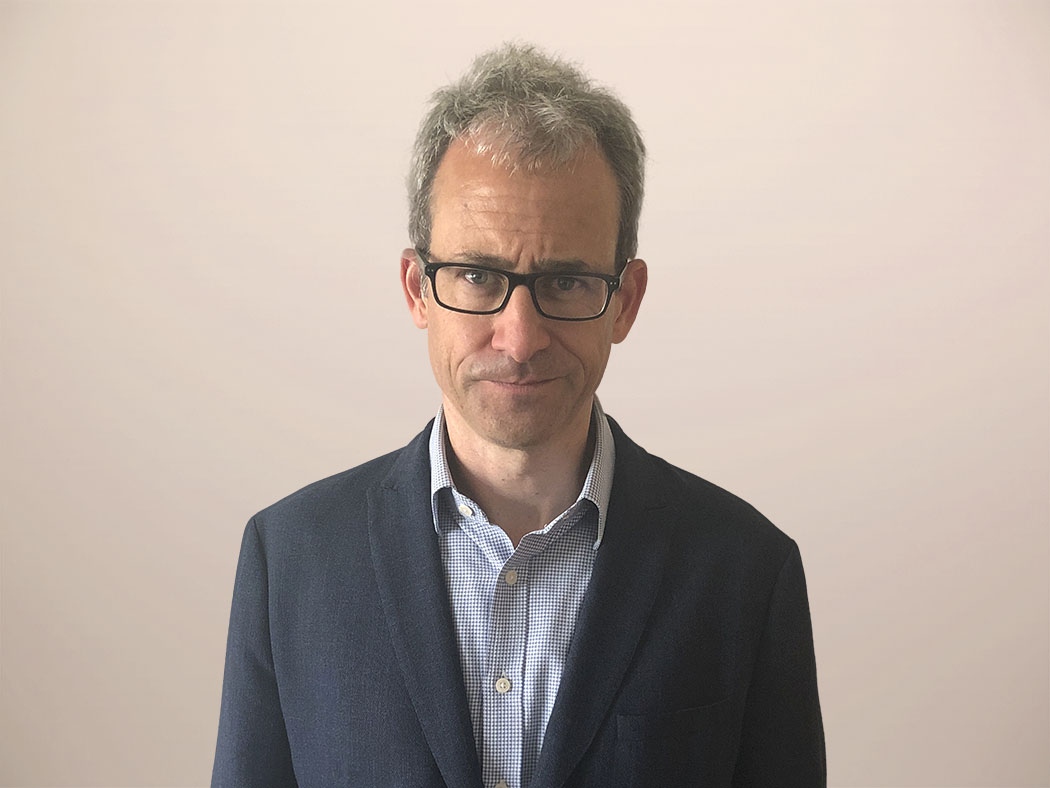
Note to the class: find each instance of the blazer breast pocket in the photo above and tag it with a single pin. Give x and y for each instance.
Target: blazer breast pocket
(686, 747)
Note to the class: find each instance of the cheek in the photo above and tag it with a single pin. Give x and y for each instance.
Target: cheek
(451, 343)
(591, 351)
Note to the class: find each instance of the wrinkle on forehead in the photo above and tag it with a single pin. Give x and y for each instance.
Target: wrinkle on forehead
(523, 216)
(522, 236)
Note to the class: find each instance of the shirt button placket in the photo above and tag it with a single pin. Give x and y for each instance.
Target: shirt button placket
(503, 709)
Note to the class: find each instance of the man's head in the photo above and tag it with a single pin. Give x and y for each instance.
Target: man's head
(512, 173)
(527, 110)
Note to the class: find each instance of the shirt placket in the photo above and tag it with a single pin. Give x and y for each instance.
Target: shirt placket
(504, 681)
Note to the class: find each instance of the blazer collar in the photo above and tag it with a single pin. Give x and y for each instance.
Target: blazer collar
(614, 611)
(412, 588)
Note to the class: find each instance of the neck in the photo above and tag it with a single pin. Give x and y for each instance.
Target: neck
(521, 490)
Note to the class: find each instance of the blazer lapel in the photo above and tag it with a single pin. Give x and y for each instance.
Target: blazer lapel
(412, 587)
(615, 609)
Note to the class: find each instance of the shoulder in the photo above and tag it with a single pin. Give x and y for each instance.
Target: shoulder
(331, 492)
(709, 510)
(339, 500)
(708, 518)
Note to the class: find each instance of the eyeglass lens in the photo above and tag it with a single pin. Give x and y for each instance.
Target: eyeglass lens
(558, 295)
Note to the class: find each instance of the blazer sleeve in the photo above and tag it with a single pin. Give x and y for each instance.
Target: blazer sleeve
(252, 748)
(782, 740)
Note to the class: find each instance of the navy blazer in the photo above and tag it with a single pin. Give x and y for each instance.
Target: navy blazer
(691, 665)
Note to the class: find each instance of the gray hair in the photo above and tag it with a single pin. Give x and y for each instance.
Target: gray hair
(527, 110)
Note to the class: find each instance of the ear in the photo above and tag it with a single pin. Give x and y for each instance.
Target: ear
(629, 297)
(410, 283)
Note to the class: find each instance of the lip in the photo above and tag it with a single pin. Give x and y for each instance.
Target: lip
(521, 384)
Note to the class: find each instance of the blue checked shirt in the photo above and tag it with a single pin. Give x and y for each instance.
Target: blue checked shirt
(515, 609)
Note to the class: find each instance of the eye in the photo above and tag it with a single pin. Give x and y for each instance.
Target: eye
(566, 284)
(476, 277)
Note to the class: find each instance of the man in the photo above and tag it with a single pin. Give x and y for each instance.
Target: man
(521, 596)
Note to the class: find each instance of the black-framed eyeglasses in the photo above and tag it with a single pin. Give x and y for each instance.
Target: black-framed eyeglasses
(480, 290)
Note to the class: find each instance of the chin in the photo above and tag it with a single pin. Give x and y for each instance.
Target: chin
(517, 431)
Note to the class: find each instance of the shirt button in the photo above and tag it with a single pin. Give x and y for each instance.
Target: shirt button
(511, 577)
(502, 784)
(465, 510)
(502, 685)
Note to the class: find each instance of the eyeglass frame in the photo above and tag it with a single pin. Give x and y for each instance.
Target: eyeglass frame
(430, 269)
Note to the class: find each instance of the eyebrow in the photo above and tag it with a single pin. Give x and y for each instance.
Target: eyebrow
(472, 257)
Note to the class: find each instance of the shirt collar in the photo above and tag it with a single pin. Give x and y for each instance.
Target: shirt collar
(597, 486)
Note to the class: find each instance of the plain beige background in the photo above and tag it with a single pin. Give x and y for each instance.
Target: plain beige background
(847, 228)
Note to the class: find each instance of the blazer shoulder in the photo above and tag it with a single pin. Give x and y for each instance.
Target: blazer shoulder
(717, 525)
(340, 497)
(705, 510)
(697, 489)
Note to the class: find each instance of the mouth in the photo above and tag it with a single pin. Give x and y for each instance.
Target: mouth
(526, 384)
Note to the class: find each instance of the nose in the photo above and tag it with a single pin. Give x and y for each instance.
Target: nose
(519, 330)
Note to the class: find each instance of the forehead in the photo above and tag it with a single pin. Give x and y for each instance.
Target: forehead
(524, 215)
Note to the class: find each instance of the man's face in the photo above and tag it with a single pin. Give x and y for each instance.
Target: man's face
(517, 379)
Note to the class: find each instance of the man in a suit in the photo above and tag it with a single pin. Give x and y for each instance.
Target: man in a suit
(521, 596)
